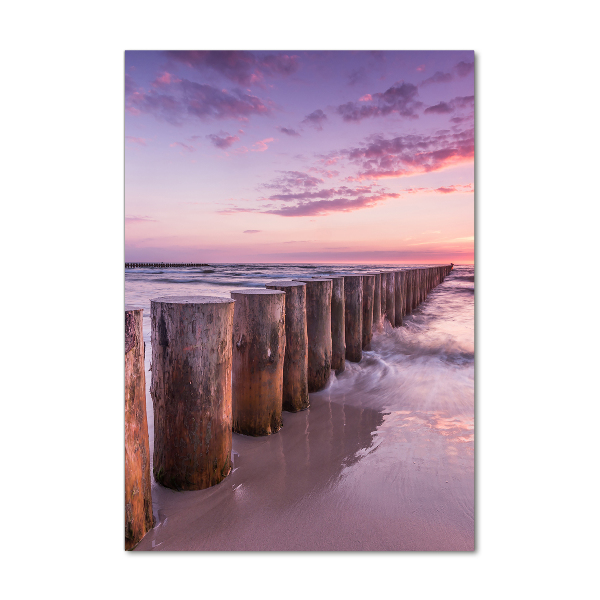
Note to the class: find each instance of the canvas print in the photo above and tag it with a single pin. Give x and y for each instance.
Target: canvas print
(299, 300)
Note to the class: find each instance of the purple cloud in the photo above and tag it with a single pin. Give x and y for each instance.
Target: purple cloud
(464, 68)
(224, 140)
(399, 99)
(182, 145)
(290, 180)
(187, 98)
(244, 68)
(464, 101)
(357, 75)
(162, 106)
(441, 108)
(438, 77)
(324, 207)
(291, 132)
(252, 231)
(343, 199)
(448, 107)
(321, 194)
(316, 119)
(207, 101)
(129, 84)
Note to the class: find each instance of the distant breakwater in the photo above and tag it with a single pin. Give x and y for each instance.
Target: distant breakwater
(136, 265)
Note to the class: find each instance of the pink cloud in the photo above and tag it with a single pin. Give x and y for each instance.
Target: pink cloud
(165, 79)
(329, 174)
(449, 189)
(366, 98)
(261, 145)
(182, 145)
(411, 154)
(136, 219)
(136, 140)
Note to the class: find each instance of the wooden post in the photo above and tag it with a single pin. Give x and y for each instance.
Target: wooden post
(414, 289)
(318, 323)
(258, 356)
(138, 499)
(295, 363)
(367, 306)
(338, 325)
(377, 301)
(353, 291)
(383, 296)
(417, 287)
(400, 296)
(191, 390)
(390, 298)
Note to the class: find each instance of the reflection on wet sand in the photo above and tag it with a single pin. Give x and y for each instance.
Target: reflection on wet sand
(273, 481)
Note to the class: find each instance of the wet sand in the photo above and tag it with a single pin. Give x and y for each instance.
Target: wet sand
(382, 460)
(336, 477)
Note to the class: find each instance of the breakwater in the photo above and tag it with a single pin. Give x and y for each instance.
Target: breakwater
(265, 345)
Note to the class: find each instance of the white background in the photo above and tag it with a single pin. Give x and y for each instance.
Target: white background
(536, 288)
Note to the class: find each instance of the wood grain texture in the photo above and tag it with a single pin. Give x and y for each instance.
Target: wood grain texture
(138, 499)
(295, 363)
(191, 390)
(258, 358)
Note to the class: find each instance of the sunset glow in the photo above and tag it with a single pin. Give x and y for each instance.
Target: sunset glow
(319, 157)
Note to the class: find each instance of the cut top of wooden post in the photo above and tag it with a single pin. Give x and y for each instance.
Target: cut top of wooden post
(315, 278)
(283, 283)
(255, 292)
(191, 300)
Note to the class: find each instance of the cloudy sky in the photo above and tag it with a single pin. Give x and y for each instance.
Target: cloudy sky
(327, 157)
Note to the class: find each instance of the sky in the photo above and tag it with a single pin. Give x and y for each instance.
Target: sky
(311, 157)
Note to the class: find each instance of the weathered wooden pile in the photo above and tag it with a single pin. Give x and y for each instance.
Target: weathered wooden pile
(221, 365)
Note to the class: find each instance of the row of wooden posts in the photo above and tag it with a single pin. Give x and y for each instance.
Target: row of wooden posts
(221, 365)
(163, 265)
